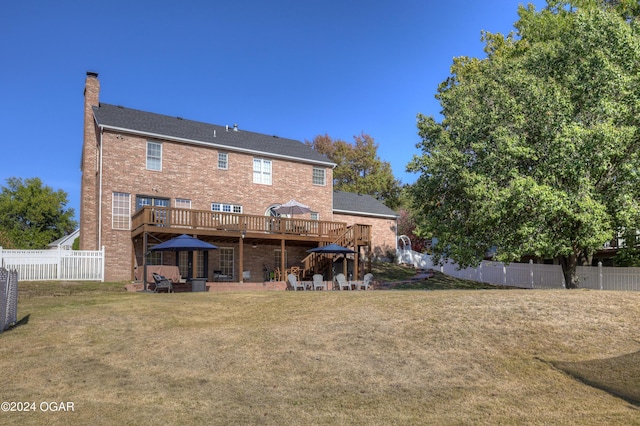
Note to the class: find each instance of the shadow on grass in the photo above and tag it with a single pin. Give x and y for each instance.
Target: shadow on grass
(439, 281)
(23, 321)
(619, 376)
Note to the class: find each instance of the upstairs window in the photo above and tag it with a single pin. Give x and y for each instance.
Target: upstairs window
(226, 208)
(154, 156)
(182, 203)
(262, 171)
(142, 201)
(318, 176)
(223, 160)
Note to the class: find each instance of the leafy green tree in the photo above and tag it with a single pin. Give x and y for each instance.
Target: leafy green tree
(32, 214)
(538, 152)
(629, 252)
(358, 167)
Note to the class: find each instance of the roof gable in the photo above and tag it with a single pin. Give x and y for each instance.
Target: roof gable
(363, 204)
(176, 128)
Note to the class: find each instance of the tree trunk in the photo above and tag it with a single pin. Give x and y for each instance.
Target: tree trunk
(569, 264)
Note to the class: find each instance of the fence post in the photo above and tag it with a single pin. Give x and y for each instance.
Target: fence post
(531, 271)
(59, 264)
(504, 274)
(103, 262)
(600, 275)
(480, 273)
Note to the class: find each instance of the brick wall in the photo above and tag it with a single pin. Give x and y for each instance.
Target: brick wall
(383, 231)
(190, 172)
(88, 198)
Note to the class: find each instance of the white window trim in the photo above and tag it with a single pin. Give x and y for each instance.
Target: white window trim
(125, 199)
(226, 208)
(260, 176)
(182, 201)
(324, 176)
(150, 143)
(226, 160)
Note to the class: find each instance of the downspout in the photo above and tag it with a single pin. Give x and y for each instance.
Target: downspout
(100, 194)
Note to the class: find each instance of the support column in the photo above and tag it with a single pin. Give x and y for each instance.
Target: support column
(194, 262)
(144, 260)
(282, 260)
(241, 258)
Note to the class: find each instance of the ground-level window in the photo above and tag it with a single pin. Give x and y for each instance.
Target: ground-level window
(120, 210)
(315, 216)
(153, 257)
(278, 258)
(262, 171)
(200, 272)
(154, 156)
(226, 262)
(183, 263)
(318, 176)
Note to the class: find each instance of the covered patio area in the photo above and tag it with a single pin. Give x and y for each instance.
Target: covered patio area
(253, 251)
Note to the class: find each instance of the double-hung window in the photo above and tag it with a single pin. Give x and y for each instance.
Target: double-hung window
(262, 171)
(182, 203)
(154, 156)
(318, 176)
(223, 161)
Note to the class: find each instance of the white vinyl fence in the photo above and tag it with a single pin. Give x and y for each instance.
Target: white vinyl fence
(8, 298)
(47, 265)
(609, 278)
(531, 275)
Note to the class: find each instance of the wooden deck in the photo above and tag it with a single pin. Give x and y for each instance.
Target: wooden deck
(170, 220)
(162, 223)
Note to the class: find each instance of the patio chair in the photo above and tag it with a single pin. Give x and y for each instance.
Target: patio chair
(277, 275)
(364, 285)
(295, 285)
(318, 282)
(162, 283)
(343, 284)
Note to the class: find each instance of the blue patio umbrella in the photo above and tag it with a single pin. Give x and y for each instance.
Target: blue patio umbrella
(183, 243)
(331, 249)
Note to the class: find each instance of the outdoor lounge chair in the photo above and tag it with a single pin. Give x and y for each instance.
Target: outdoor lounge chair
(364, 285)
(295, 285)
(318, 282)
(343, 284)
(162, 283)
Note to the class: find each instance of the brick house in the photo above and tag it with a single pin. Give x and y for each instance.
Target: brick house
(148, 177)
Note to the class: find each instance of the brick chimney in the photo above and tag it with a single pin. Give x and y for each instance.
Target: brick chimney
(89, 167)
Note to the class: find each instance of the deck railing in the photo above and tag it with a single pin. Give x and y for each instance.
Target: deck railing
(203, 219)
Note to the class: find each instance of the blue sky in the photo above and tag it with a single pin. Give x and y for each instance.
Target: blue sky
(295, 69)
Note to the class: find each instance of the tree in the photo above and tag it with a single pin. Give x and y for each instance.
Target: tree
(33, 215)
(538, 152)
(358, 167)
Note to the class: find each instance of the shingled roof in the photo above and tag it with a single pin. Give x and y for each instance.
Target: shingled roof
(159, 126)
(351, 203)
